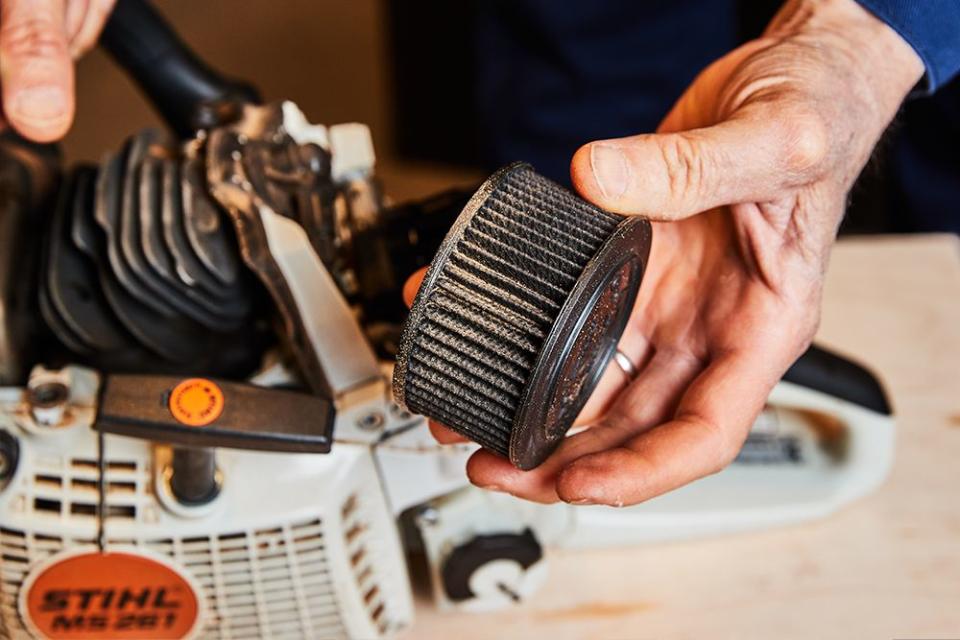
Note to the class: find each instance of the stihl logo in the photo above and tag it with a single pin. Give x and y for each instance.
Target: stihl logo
(100, 599)
(109, 595)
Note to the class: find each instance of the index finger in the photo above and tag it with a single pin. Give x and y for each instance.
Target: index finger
(704, 436)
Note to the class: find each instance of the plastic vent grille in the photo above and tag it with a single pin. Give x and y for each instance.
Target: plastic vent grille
(69, 488)
(19, 551)
(363, 557)
(268, 583)
(293, 571)
(273, 583)
(495, 300)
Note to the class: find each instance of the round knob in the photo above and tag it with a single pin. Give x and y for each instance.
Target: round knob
(493, 570)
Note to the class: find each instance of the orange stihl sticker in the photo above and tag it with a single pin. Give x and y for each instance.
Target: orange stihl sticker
(196, 402)
(101, 596)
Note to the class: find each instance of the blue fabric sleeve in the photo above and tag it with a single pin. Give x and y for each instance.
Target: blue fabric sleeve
(931, 27)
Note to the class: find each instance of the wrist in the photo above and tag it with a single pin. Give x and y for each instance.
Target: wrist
(887, 64)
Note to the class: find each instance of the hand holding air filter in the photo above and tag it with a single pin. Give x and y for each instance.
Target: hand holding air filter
(519, 313)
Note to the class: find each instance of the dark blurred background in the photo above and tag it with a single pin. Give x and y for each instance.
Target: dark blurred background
(406, 68)
(329, 56)
(412, 70)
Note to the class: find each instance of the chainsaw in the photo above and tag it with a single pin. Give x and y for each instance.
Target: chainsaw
(197, 437)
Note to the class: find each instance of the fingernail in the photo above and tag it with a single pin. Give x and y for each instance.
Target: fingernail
(491, 487)
(609, 167)
(40, 104)
(582, 501)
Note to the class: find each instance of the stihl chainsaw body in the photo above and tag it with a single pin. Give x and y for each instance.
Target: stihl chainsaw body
(197, 437)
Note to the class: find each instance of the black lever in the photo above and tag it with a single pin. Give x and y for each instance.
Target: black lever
(188, 93)
(835, 375)
(198, 412)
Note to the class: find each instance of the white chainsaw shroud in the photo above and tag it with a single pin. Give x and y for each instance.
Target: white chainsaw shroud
(307, 545)
(295, 545)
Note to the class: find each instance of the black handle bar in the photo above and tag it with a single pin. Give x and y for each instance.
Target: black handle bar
(187, 92)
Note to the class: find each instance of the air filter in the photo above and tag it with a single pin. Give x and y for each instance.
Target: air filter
(519, 313)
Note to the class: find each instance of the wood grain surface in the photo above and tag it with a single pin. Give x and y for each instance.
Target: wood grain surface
(887, 566)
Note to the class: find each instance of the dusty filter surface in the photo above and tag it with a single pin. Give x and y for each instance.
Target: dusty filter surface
(519, 313)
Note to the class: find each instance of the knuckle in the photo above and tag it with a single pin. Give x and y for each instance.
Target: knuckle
(33, 37)
(685, 166)
(98, 13)
(726, 457)
(805, 141)
(808, 332)
(724, 447)
(728, 453)
(102, 9)
(803, 325)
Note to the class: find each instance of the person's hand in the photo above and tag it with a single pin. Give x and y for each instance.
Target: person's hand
(767, 142)
(39, 40)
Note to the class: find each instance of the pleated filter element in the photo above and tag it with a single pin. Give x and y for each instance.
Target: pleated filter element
(519, 313)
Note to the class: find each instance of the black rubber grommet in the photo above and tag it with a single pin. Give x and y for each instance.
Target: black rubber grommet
(519, 313)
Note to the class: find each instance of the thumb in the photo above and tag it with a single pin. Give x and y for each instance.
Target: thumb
(36, 70)
(668, 176)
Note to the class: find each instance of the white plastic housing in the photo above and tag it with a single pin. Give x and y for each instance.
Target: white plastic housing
(296, 545)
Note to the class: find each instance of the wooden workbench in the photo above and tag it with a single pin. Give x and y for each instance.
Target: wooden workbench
(887, 566)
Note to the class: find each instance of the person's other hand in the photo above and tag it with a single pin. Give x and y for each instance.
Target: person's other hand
(39, 40)
(749, 175)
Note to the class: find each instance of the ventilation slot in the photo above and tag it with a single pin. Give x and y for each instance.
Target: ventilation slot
(363, 560)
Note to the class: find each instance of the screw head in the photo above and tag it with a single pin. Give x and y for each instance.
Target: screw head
(428, 515)
(48, 394)
(48, 402)
(371, 421)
